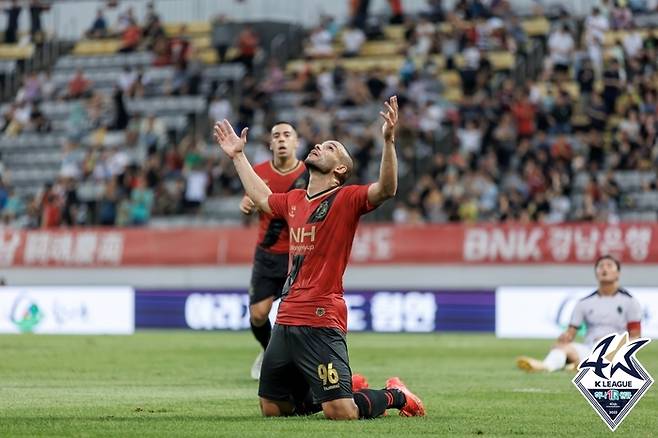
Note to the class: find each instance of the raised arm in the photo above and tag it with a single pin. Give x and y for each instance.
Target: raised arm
(387, 184)
(233, 146)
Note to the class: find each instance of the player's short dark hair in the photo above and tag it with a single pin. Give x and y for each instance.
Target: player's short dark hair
(283, 122)
(608, 257)
(349, 163)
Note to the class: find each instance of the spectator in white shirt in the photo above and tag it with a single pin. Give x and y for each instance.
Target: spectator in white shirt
(320, 43)
(632, 44)
(353, 39)
(561, 47)
(595, 27)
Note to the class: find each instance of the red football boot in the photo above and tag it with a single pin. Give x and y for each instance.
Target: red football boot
(414, 405)
(359, 382)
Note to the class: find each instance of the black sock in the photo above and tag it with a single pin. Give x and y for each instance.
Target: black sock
(262, 333)
(373, 402)
(397, 398)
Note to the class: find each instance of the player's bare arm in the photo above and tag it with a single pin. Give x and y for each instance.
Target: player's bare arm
(387, 184)
(568, 336)
(233, 146)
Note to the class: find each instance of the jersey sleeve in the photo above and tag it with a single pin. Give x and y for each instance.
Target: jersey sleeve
(357, 199)
(578, 316)
(278, 204)
(635, 311)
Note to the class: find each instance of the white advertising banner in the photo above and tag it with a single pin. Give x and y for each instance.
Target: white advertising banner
(67, 310)
(544, 312)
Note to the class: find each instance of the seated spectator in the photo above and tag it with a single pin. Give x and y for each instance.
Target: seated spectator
(152, 32)
(248, 44)
(130, 38)
(51, 211)
(126, 80)
(125, 20)
(153, 133)
(561, 47)
(79, 85)
(162, 51)
(141, 202)
(180, 47)
(98, 28)
(13, 206)
(353, 39)
(222, 37)
(320, 43)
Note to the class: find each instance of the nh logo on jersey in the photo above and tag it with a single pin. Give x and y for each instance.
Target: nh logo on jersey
(299, 234)
(612, 379)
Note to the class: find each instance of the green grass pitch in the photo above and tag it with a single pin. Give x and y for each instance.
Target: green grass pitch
(176, 383)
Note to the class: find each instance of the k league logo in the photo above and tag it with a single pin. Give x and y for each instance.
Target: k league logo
(612, 379)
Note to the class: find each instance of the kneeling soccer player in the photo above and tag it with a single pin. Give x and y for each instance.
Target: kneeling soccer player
(306, 365)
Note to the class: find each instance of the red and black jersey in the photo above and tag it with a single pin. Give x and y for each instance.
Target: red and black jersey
(273, 232)
(322, 229)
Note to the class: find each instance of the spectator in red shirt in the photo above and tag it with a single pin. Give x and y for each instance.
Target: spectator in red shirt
(247, 46)
(130, 38)
(52, 215)
(78, 85)
(524, 114)
(180, 47)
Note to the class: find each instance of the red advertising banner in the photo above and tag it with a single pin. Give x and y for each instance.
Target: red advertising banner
(374, 244)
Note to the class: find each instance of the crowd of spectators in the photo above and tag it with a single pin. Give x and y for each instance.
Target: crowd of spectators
(543, 148)
(506, 150)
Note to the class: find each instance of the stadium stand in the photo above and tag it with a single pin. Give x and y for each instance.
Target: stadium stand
(504, 118)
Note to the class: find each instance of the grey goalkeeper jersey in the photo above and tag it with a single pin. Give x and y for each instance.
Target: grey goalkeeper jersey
(606, 314)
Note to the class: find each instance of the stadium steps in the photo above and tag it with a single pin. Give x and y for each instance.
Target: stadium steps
(117, 60)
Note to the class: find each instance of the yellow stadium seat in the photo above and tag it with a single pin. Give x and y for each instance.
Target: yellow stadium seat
(499, 60)
(192, 28)
(453, 94)
(15, 51)
(450, 79)
(97, 47)
(395, 33)
(612, 36)
(208, 56)
(200, 43)
(446, 27)
(536, 27)
(380, 48)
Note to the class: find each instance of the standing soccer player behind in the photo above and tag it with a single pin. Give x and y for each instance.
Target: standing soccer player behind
(307, 354)
(282, 174)
(609, 309)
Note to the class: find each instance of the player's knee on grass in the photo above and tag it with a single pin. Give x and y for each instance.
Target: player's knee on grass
(270, 408)
(259, 312)
(341, 409)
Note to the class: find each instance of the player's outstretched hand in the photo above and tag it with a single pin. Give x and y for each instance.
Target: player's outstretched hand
(247, 206)
(228, 140)
(390, 118)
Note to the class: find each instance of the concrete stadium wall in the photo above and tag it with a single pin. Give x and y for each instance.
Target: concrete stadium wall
(399, 276)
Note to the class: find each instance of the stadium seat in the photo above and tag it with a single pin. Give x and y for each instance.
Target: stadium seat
(380, 48)
(500, 60)
(97, 47)
(202, 42)
(394, 32)
(612, 36)
(536, 27)
(450, 78)
(16, 51)
(192, 28)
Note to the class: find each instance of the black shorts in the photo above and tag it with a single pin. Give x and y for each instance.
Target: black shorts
(301, 358)
(268, 275)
